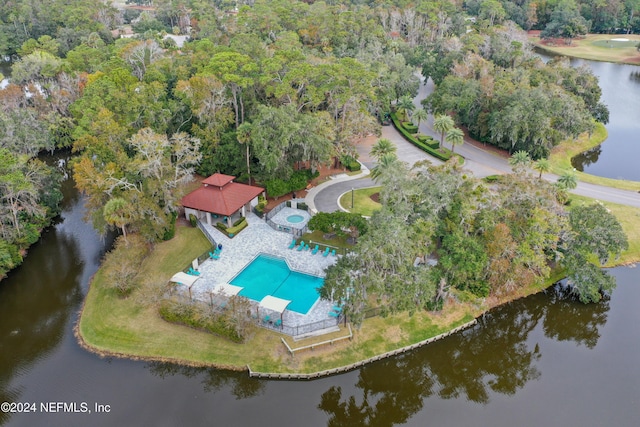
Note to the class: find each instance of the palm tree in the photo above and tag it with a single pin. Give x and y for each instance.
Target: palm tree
(443, 124)
(382, 147)
(244, 137)
(542, 165)
(117, 212)
(386, 162)
(406, 105)
(568, 180)
(420, 115)
(455, 136)
(519, 158)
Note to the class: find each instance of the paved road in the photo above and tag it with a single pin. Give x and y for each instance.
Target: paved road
(481, 163)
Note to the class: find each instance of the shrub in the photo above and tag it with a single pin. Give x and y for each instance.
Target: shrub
(238, 221)
(338, 222)
(199, 317)
(193, 220)
(221, 226)
(277, 187)
(123, 262)
(238, 226)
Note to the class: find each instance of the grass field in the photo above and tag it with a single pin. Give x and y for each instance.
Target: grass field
(597, 47)
(362, 202)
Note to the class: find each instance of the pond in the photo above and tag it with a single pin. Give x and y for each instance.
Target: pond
(618, 156)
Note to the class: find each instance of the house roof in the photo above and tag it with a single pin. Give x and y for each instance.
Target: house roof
(218, 180)
(220, 195)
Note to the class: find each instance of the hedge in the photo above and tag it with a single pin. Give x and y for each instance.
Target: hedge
(350, 163)
(409, 137)
(410, 127)
(190, 315)
(238, 226)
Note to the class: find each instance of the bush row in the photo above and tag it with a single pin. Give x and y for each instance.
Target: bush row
(410, 127)
(429, 141)
(423, 146)
(198, 318)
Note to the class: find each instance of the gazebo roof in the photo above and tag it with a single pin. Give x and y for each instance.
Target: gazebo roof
(184, 278)
(274, 303)
(220, 195)
(218, 180)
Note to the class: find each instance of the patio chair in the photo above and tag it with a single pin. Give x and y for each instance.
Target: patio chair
(333, 252)
(334, 314)
(337, 308)
(315, 250)
(292, 244)
(266, 319)
(326, 252)
(278, 323)
(214, 255)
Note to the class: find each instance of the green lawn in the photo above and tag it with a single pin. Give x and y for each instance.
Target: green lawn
(598, 47)
(362, 203)
(561, 156)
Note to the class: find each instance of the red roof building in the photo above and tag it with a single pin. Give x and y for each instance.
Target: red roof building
(219, 195)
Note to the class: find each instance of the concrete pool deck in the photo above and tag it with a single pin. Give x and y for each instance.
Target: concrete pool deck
(259, 238)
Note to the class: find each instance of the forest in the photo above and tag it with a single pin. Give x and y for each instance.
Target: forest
(260, 88)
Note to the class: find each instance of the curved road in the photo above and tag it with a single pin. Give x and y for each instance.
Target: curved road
(481, 163)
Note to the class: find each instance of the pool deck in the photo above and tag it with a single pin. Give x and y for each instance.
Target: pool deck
(259, 238)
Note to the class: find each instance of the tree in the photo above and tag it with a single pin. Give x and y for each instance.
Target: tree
(455, 136)
(492, 10)
(568, 180)
(519, 159)
(405, 106)
(386, 165)
(565, 22)
(117, 212)
(382, 147)
(420, 115)
(542, 165)
(443, 124)
(244, 137)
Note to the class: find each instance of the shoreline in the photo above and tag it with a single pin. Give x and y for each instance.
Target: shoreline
(590, 53)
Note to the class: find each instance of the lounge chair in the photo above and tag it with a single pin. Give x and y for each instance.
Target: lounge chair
(292, 244)
(315, 250)
(326, 252)
(333, 252)
(278, 323)
(301, 246)
(337, 308)
(266, 319)
(334, 314)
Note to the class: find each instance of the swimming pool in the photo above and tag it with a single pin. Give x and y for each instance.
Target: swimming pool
(267, 275)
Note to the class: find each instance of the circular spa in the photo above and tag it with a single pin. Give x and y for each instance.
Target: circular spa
(291, 218)
(295, 219)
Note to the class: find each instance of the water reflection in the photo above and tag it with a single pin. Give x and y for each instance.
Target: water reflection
(566, 320)
(501, 354)
(239, 384)
(586, 158)
(634, 76)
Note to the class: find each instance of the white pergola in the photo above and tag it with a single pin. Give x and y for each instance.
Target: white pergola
(224, 289)
(184, 279)
(276, 304)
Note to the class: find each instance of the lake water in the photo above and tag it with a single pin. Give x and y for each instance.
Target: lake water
(618, 156)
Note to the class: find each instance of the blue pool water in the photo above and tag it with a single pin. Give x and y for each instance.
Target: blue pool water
(267, 275)
(295, 219)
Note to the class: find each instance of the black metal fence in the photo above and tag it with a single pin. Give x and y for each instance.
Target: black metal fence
(307, 328)
(295, 232)
(206, 233)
